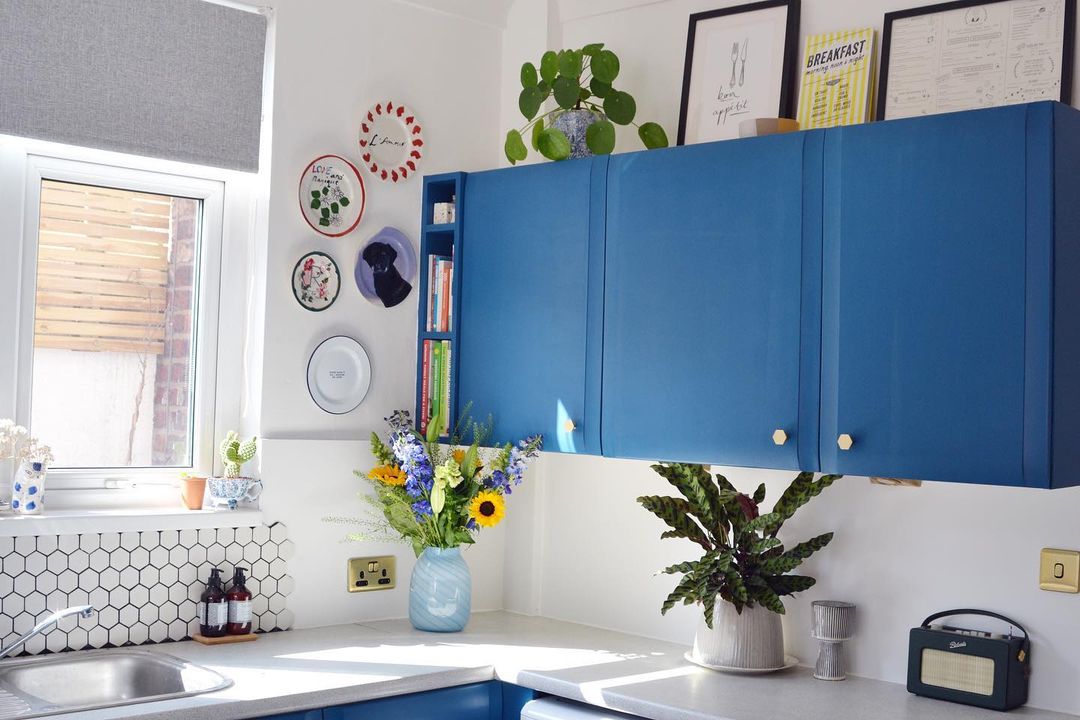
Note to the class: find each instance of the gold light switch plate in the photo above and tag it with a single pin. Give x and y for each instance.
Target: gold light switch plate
(372, 573)
(1059, 570)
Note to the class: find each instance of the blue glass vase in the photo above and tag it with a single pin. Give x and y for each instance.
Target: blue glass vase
(440, 592)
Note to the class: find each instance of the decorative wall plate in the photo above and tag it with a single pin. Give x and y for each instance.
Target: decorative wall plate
(339, 375)
(332, 195)
(316, 281)
(391, 141)
(386, 267)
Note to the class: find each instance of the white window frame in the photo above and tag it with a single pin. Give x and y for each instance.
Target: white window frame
(228, 204)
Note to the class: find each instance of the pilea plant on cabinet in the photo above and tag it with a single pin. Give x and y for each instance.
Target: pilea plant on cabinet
(589, 107)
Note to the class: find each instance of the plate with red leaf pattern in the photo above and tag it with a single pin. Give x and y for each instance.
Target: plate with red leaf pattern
(391, 141)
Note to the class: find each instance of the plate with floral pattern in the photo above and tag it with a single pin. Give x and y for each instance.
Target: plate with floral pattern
(332, 195)
(316, 281)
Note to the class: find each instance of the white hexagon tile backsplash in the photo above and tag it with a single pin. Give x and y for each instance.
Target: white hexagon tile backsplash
(144, 585)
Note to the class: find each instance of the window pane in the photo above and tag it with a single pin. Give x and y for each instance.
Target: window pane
(113, 334)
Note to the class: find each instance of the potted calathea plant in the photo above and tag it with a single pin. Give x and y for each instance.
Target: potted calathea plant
(744, 568)
(588, 107)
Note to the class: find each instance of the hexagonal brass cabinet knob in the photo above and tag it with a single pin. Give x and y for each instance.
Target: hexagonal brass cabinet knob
(779, 437)
(569, 426)
(844, 442)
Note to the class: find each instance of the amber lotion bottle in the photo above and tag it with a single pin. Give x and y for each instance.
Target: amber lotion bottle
(213, 608)
(239, 605)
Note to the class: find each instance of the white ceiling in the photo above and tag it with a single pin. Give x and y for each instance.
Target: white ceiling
(575, 9)
(489, 12)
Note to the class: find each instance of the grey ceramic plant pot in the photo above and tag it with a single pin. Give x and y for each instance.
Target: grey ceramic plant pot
(574, 123)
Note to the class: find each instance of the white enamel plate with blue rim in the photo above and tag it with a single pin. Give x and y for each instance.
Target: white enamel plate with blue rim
(339, 375)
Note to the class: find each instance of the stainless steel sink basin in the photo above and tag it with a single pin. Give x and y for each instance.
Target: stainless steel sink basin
(92, 679)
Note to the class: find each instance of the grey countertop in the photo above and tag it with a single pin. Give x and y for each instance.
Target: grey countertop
(307, 669)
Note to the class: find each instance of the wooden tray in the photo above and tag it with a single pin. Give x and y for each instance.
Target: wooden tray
(224, 639)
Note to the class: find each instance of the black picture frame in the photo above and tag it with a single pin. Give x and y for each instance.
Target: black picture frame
(790, 59)
(1067, 50)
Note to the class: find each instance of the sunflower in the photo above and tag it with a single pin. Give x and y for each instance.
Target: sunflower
(488, 508)
(389, 474)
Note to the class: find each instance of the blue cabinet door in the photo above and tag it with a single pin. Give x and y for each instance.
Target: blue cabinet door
(923, 320)
(309, 715)
(531, 294)
(478, 701)
(711, 311)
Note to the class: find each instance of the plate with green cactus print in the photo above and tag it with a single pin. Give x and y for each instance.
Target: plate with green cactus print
(332, 195)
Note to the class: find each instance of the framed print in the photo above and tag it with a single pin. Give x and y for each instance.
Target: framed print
(740, 65)
(975, 54)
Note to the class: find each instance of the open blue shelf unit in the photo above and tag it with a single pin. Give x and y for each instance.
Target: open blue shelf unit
(439, 239)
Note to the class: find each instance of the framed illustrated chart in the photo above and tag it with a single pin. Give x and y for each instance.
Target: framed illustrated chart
(969, 54)
(740, 64)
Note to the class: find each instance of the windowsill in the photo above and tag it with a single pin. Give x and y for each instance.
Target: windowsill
(75, 521)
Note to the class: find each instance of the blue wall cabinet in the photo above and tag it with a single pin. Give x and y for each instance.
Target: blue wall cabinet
(531, 283)
(309, 715)
(896, 299)
(940, 355)
(706, 300)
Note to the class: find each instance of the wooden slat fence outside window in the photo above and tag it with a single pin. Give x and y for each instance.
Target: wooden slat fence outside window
(103, 269)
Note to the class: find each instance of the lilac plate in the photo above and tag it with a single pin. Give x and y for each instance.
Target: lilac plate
(405, 263)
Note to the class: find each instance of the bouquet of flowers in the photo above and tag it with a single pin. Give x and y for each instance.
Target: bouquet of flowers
(17, 444)
(441, 496)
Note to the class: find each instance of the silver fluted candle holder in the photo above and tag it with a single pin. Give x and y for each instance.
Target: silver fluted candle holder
(833, 623)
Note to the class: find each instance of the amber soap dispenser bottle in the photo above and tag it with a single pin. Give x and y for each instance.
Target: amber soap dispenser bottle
(213, 608)
(239, 605)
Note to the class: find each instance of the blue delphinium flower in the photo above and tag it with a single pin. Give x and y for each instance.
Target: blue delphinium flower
(497, 481)
(519, 455)
(414, 461)
(422, 509)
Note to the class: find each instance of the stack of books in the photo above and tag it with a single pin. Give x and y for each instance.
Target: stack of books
(435, 388)
(440, 306)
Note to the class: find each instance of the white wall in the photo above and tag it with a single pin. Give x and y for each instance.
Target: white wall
(330, 66)
(899, 554)
(588, 553)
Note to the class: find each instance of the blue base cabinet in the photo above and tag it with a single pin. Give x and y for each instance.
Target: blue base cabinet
(492, 700)
(704, 306)
(895, 299)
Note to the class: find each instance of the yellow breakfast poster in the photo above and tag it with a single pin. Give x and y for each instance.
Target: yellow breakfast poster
(837, 79)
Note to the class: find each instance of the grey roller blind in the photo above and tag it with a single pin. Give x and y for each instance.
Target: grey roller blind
(174, 79)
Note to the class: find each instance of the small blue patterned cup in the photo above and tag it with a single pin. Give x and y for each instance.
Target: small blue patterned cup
(230, 491)
(28, 488)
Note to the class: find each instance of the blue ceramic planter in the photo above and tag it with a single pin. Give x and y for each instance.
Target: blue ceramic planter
(440, 592)
(574, 124)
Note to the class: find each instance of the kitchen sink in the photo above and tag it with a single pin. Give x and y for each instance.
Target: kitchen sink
(89, 680)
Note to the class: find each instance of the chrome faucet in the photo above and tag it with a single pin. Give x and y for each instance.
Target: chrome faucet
(80, 610)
